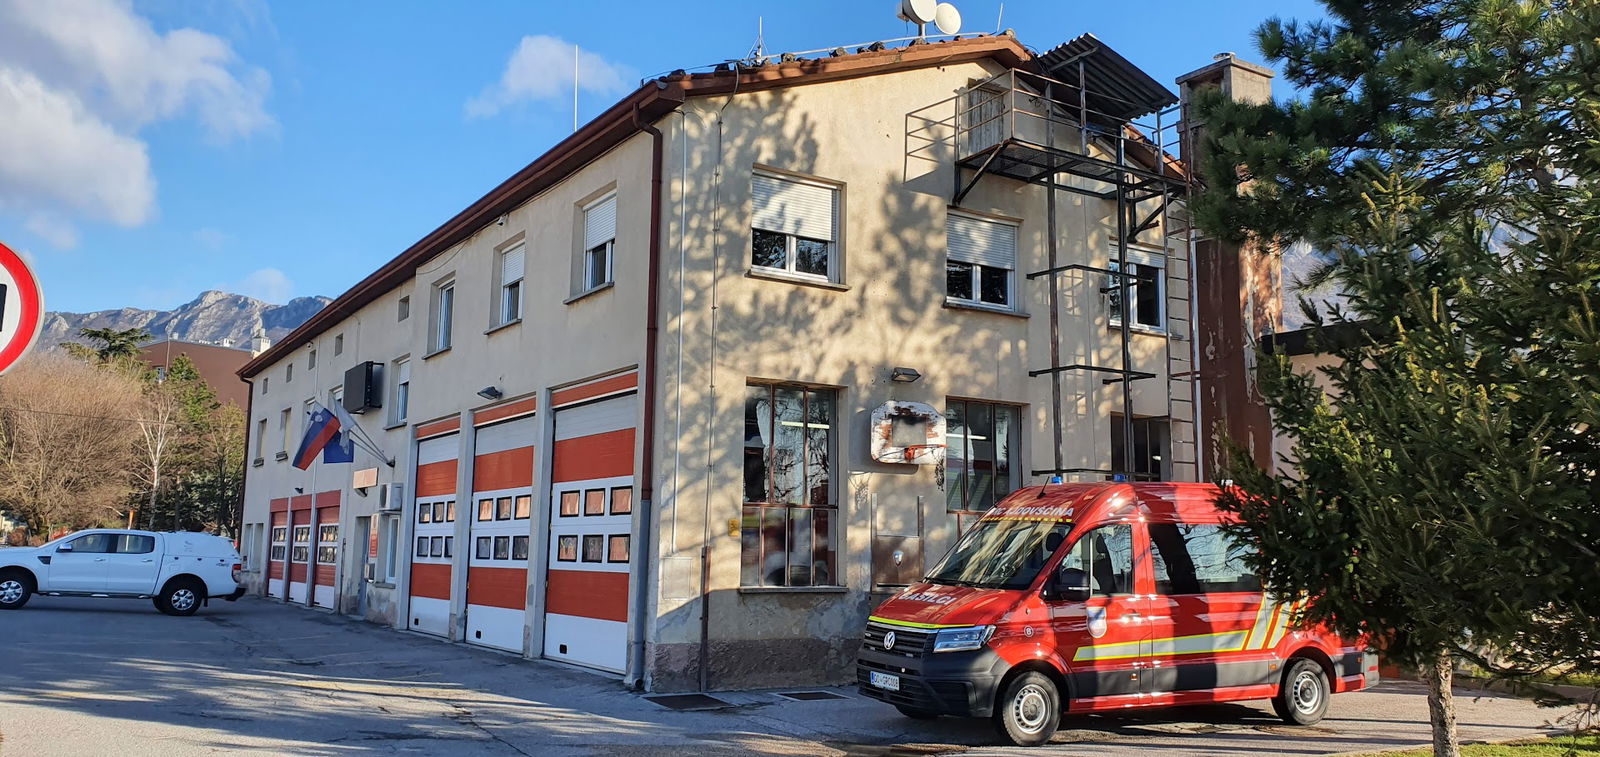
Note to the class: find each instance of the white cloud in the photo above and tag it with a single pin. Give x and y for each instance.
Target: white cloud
(78, 80)
(541, 69)
(267, 285)
(210, 239)
(55, 155)
(53, 230)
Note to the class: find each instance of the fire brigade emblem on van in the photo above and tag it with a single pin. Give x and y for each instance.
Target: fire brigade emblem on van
(1097, 621)
(888, 642)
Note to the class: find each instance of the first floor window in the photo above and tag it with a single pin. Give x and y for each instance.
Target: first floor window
(444, 315)
(981, 439)
(599, 243)
(794, 225)
(391, 549)
(511, 266)
(1150, 442)
(981, 260)
(1146, 285)
(789, 520)
(402, 392)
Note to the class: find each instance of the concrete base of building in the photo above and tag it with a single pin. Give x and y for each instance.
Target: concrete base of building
(755, 664)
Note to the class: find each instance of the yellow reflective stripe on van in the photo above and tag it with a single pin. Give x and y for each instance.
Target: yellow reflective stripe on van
(1284, 621)
(1257, 629)
(909, 624)
(1226, 641)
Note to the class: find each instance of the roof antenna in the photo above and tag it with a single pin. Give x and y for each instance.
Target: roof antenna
(574, 88)
(759, 51)
(1000, 21)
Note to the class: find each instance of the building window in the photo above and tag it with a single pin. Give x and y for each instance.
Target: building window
(511, 267)
(404, 309)
(335, 397)
(311, 360)
(391, 549)
(402, 392)
(444, 314)
(1147, 291)
(794, 226)
(981, 439)
(283, 433)
(278, 549)
(789, 531)
(981, 263)
(338, 345)
(288, 373)
(265, 382)
(1149, 448)
(599, 243)
(261, 436)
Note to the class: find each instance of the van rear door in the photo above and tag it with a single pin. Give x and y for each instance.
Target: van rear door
(1208, 623)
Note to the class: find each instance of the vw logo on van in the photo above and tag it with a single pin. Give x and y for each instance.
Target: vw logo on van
(888, 642)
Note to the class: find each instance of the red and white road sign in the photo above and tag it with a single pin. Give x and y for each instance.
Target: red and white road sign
(21, 308)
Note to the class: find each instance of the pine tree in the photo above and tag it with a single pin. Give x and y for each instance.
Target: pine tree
(1444, 161)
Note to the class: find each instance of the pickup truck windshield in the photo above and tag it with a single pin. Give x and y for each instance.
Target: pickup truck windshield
(1000, 554)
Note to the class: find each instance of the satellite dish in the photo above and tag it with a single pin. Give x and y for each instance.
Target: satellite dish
(947, 18)
(918, 11)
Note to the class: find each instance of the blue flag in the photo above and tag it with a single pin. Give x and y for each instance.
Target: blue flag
(338, 450)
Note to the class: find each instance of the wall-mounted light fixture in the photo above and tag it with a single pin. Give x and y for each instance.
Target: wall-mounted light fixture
(904, 375)
(489, 393)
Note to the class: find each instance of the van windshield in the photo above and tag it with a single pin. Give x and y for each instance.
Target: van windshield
(1000, 554)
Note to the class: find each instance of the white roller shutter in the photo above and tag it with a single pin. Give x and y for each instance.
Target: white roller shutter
(990, 243)
(793, 207)
(511, 264)
(438, 449)
(522, 432)
(600, 223)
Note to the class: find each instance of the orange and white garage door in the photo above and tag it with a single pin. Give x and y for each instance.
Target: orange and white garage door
(502, 514)
(434, 534)
(299, 547)
(324, 592)
(591, 516)
(278, 551)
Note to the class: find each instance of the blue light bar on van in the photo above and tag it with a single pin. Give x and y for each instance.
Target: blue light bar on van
(962, 639)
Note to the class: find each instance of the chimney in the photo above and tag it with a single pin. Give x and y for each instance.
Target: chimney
(1237, 289)
(259, 342)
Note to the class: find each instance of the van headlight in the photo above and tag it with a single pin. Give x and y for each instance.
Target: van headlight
(961, 639)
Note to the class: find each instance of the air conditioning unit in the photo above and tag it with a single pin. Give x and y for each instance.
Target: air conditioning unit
(391, 497)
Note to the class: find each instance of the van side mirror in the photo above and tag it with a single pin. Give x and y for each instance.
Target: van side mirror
(1070, 585)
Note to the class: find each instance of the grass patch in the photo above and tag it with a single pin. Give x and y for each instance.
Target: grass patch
(1559, 746)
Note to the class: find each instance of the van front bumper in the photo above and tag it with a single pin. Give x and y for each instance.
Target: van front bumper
(945, 683)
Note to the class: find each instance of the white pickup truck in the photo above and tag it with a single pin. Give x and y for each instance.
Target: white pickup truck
(179, 571)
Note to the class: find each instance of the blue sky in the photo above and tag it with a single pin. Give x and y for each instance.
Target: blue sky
(290, 149)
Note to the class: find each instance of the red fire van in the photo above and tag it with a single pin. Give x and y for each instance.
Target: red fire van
(1094, 597)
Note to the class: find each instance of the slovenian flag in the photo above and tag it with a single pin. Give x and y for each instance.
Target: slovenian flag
(321, 427)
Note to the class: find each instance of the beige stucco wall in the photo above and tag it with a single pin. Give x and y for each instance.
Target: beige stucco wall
(890, 312)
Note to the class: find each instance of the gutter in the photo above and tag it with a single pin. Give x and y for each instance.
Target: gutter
(644, 553)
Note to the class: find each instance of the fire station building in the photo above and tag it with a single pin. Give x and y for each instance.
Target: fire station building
(683, 399)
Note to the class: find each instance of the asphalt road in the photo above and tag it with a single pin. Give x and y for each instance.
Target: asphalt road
(114, 677)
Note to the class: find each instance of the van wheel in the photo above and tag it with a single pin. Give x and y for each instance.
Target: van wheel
(181, 597)
(15, 589)
(1029, 710)
(1303, 694)
(916, 714)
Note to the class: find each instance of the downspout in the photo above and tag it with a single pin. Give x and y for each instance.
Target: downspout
(652, 329)
(249, 421)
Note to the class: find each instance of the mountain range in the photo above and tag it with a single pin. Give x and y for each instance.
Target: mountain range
(212, 318)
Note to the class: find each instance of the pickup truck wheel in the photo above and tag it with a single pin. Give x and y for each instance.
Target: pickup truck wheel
(1029, 710)
(181, 597)
(15, 588)
(1303, 694)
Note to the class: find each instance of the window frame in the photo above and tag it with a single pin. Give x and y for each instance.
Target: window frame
(1013, 443)
(400, 390)
(509, 307)
(790, 269)
(754, 513)
(441, 329)
(587, 252)
(974, 295)
(1145, 259)
(1164, 464)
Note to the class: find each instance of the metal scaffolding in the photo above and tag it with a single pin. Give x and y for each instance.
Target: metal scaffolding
(1090, 123)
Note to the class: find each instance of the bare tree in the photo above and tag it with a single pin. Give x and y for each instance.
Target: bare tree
(67, 438)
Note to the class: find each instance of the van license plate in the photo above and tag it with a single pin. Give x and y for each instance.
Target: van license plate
(885, 681)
